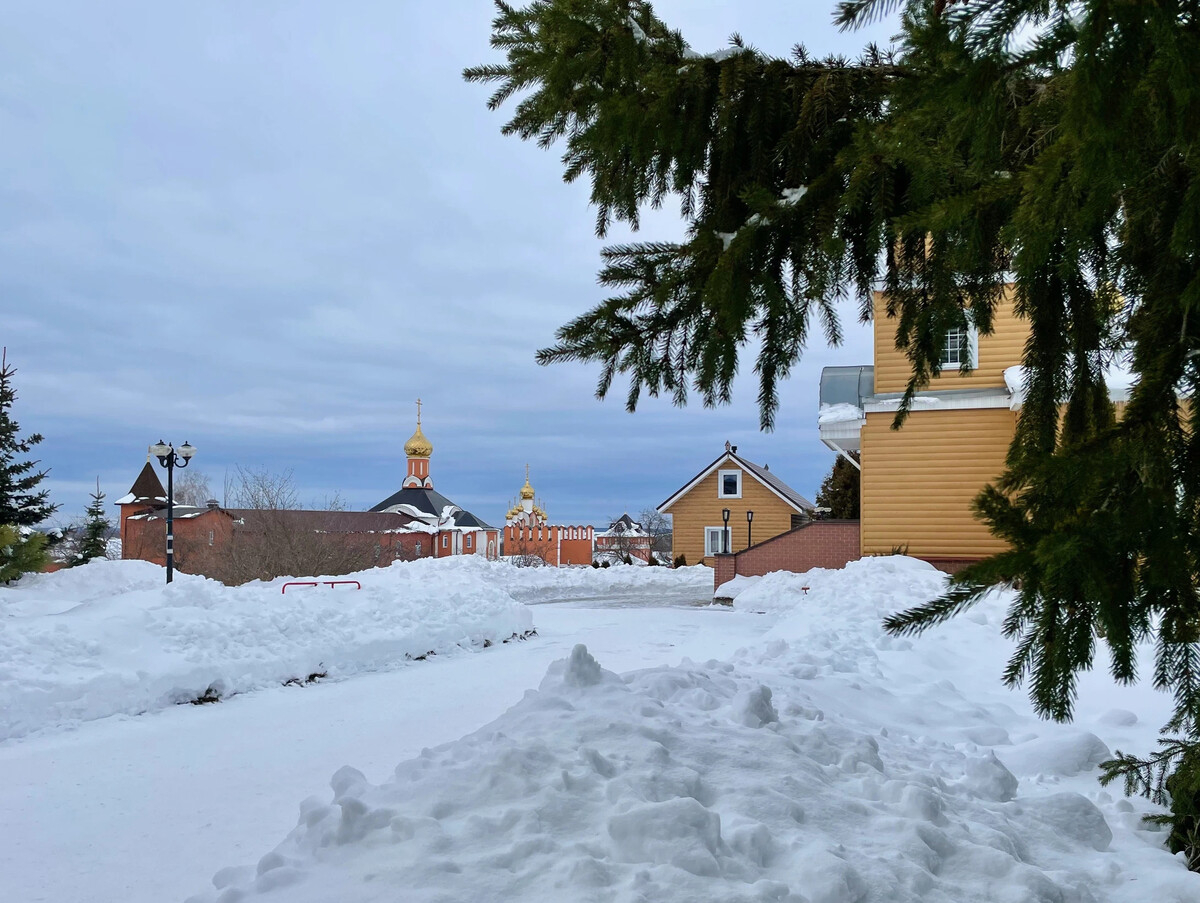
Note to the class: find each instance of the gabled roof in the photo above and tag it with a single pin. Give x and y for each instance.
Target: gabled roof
(764, 476)
(430, 501)
(624, 526)
(146, 488)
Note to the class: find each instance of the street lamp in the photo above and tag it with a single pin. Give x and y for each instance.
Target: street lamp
(170, 458)
(749, 534)
(725, 532)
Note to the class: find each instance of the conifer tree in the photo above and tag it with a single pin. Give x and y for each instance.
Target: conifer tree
(22, 505)
(20, 552)
(1047, 144)
(839, 491)
(93, 539)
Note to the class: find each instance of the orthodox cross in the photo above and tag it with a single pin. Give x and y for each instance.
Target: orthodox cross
(418, 412)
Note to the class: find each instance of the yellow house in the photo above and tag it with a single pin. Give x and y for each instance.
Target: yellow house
(759, 506)
(918, 482)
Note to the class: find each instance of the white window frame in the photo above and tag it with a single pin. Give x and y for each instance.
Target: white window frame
(709, 533)
(445, 540)
(721, 474)
(972, 348)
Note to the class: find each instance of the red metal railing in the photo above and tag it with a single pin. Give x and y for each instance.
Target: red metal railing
(356, 584)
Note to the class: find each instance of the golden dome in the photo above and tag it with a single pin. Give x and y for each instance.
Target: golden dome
(526, 490)
(418, 446)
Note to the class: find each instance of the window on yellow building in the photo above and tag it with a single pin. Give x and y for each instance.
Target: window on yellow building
(960, 346)
(717, 541)
(729, 484)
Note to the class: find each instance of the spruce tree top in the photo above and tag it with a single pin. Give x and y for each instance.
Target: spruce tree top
(22, 504)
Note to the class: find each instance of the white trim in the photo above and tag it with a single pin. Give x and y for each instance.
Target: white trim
(727, 531)
(728, 456)
(841, 451)
(944, 402)
(972, 349)
(721, 475)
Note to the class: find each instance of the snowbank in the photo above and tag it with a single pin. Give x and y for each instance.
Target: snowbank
(827, 764)
(559, 584)
(885, 584)
(109, 637)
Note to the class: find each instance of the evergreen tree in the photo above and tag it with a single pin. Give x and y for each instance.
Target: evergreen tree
(839, 491)
(94, 533)
(20, 552)
(1050, 144)
(22, 505)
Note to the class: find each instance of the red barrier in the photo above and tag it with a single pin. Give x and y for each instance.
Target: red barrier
(299, 583)
(356, 584)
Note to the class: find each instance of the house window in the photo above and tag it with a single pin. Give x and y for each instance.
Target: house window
(729, 484)
(717, 541)
(210, 537)
(418, 548)
(960, 346)
(445, 540)
(468, 540)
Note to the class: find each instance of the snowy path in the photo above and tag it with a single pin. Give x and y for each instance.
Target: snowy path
(143, 809)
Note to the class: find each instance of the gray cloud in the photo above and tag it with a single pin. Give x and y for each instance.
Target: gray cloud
(267, 228)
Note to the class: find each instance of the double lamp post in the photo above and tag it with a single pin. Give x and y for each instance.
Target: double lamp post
(749, 527)
(170, 458)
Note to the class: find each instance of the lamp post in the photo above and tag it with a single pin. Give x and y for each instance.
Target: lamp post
(749, 534)
(170, 458)
(725, 532)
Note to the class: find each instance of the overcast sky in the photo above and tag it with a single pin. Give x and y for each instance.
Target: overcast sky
(267, 228)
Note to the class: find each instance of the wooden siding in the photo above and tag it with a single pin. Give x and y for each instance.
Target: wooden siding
(1002, 349)
(701, 508)
(918, 482)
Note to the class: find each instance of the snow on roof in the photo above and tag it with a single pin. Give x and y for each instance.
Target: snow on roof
(839, 413)
(1118, 378)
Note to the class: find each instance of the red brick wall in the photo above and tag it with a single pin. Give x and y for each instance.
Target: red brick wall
(950, 565)
(822, 544)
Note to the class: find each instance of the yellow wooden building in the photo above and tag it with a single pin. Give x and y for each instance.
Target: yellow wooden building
(731, 483)
(918, 482)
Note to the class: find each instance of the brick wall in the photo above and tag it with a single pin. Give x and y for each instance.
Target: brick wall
(950, 565)
(821, 544)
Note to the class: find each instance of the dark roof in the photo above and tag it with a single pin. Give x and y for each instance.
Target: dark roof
(147, 487)
(790, 495)
(777, 484)
(624, 522)
(430, 501)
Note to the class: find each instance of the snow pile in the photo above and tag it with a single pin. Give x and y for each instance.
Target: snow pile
(1118, 378)
(108, 637)
(887, 584)
(581, 583)
(830, 414)
(828, 764)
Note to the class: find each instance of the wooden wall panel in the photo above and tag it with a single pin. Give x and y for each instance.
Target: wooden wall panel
(701, 508)
(1002, 349)
(918, 482)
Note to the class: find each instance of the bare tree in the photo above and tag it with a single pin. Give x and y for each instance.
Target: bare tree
(192, 488)
(621, 544)
(658, 525)
(527, 550)
(270, 536)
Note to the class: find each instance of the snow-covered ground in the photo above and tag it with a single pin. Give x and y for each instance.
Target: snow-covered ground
(784, 750)
(110, 638)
